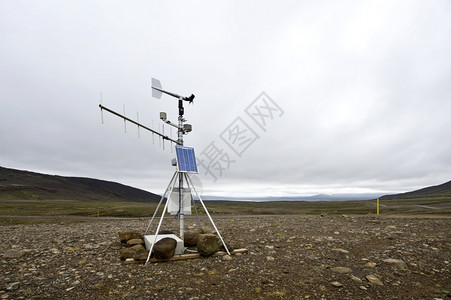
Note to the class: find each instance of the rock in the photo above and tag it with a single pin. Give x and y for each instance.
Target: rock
(115, 246)
(164, 248)
(127, 253)
(269, 258)
(226, 257)
(13, 253)
(342, 270)
(340, 250)
(125, 236)
(133, 242)
(141, 254)
(191, 237)
(138, 247)
(89, 247)
(336, 284)
(370, 264)
(399, 264)
(374, 280)
(208, 244)
(356, 279)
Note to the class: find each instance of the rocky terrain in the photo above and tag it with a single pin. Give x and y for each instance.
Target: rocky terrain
(289, 257)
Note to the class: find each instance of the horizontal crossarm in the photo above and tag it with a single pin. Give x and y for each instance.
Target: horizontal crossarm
(165, 137)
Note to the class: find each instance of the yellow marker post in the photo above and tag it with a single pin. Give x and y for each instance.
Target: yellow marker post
(377, 206)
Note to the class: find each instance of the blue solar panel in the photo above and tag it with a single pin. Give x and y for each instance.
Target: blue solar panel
(186, 160)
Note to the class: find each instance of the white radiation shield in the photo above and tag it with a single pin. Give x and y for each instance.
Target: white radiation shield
(173, 206)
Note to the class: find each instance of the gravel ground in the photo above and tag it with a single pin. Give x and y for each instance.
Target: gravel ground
(289, 257)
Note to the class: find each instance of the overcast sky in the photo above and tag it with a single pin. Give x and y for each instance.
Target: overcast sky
(292, 97)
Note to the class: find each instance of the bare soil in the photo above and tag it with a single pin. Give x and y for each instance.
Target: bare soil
(289, 257)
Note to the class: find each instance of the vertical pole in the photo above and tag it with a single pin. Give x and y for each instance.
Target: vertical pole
(180, 142)
(377, 204)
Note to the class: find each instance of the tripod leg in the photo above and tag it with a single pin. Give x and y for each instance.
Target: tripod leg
(162, 216)
(156, 234)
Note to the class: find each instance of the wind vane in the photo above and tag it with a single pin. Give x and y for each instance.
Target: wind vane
(178, 200)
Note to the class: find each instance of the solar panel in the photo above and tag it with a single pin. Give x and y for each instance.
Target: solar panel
(186, 160)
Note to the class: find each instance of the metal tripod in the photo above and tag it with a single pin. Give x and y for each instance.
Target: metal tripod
(179, 175)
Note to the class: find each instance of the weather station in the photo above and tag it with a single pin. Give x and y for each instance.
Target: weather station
(180, 194)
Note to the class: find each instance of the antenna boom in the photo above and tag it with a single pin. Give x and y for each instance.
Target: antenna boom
(164, 137)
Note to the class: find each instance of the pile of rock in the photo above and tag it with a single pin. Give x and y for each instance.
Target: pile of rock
(134, 246)
(203, 240)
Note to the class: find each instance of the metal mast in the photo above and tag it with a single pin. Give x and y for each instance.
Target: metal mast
(180, 143)
(181, 129)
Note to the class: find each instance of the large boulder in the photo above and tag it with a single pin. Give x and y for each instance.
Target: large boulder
(125, 236)
(208, 244)
(164, 248)
(190, 238)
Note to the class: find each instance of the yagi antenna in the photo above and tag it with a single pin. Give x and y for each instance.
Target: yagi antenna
(162, 136)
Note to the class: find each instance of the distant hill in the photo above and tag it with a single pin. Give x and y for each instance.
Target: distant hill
(438, 192)
(319, 197)
(25, 185)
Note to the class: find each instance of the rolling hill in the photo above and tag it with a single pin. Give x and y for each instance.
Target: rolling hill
(433, 193)
(25, 185)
